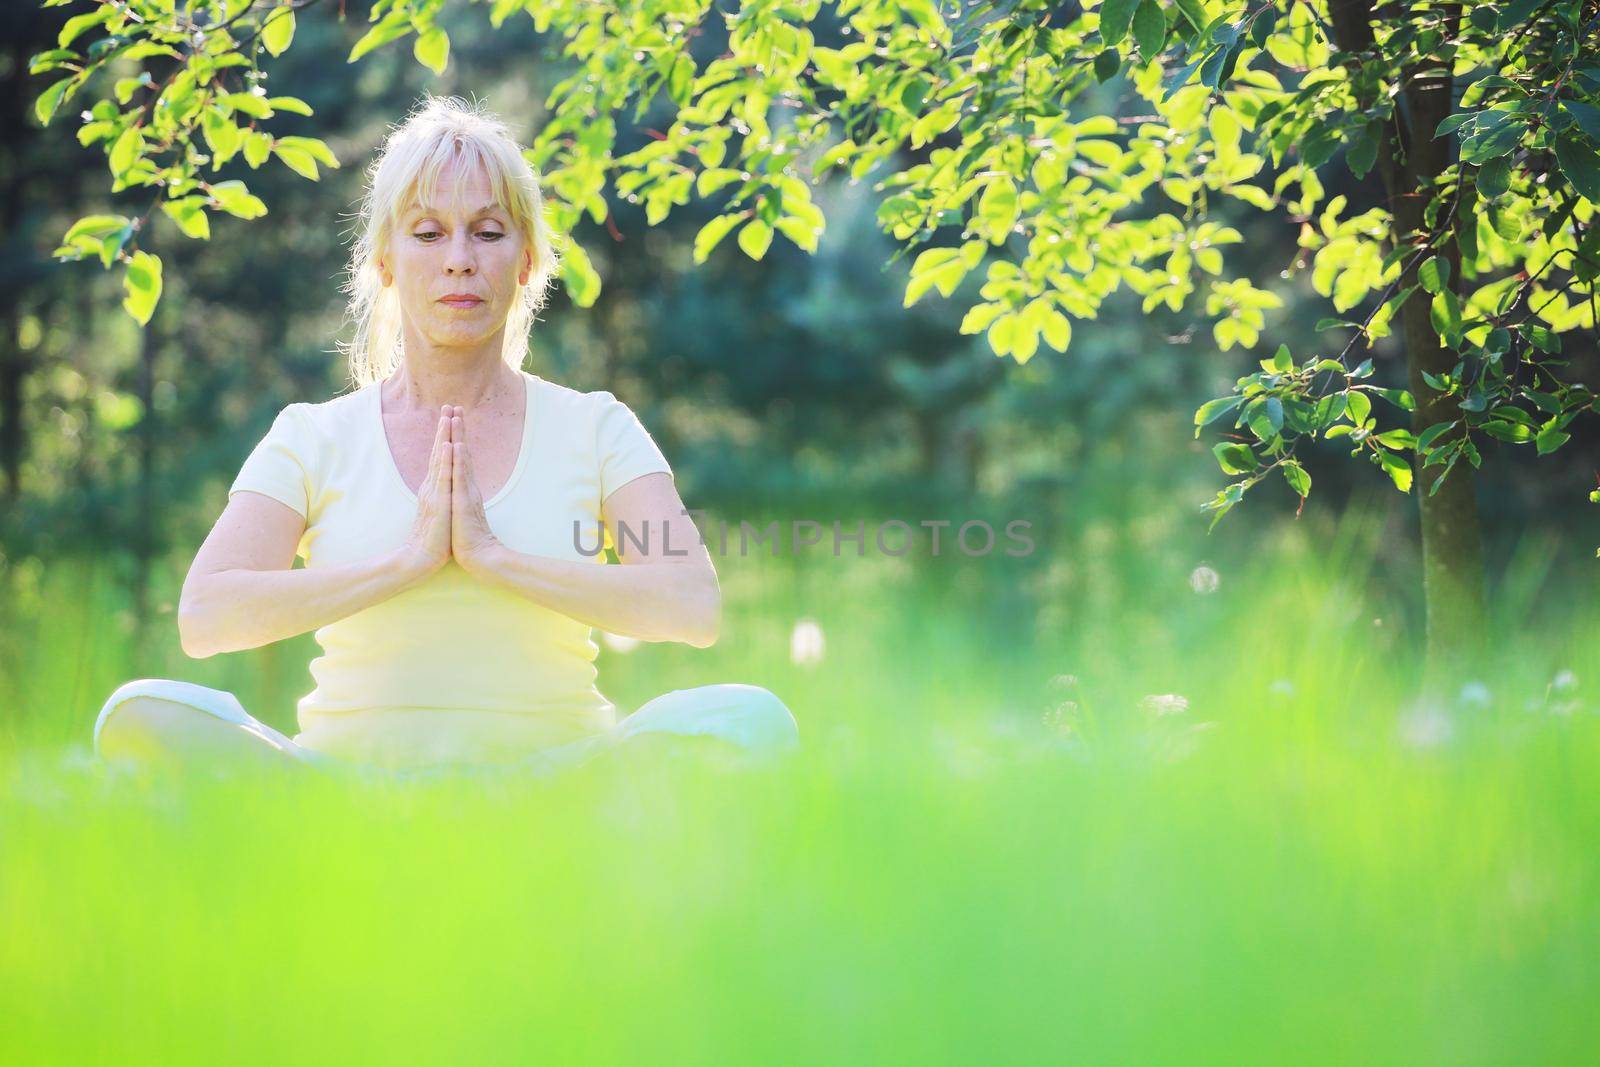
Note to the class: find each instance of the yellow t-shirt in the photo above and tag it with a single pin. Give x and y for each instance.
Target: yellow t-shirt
(451, 669)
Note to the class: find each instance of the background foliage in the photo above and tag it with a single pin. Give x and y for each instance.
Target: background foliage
(1146, 791)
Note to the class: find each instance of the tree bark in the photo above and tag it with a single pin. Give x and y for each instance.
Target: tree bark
(1410, 160)
(145, 539)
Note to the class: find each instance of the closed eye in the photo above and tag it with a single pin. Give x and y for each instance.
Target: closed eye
(427, 236)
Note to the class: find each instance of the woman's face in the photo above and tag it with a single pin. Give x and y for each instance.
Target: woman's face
(457, 269)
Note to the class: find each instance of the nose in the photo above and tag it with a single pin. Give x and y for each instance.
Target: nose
(458, 258)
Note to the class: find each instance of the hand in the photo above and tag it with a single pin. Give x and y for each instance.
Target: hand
(428, 547)
(471, 541)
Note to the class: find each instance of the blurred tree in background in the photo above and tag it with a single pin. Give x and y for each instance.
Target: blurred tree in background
(1105, 165)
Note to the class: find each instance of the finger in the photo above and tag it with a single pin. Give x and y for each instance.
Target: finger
(441, 437)
(445, 480)
(441, 440)
(463, 466)
(458, 474)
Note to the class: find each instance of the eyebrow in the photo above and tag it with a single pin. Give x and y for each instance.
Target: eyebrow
(415, 208)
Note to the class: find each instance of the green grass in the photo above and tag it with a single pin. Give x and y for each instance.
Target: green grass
(992, 848)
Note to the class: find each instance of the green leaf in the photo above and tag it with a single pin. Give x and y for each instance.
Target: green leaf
(1551, 437)
(980, 316)
(1434, 274)
(1358, 406)
(1115, 18)
(1107, 64)
(49, 100)
(1396, 439)
(1542, 338)
(1581, 165)
(941, 267)
(1587, 116)
(278, 30)
(1363, 150)
(1194, 11)
(680, 83)
(432, 49)
(1398, 469)
(312, 147)
(257, 148)
(1283, 361)
(1057, 330)
(1265, 21)
(249, 103)
(1509, 432)
(1400, 398)
(143, 284)
(755, 238)
(126, 150)
(711, 234)
(296, 159)
(292, 104)
(78, 24)
(804, 233)
(1432, 434)
(1329, 409)
(392, 28)
(1150, 28)
(1212, 410)
(1235, 458)
(190, 215)
(237, 200)
(1296, 476)
(221, 134)
(997, 207)
(1494, 178)
(94, 226)
(578, 275)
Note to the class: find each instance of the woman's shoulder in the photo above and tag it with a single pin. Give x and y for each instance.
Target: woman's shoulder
(335, 417)
(557, 400)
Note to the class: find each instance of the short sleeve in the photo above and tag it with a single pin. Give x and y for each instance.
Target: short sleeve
(626, 449)
(278, 466)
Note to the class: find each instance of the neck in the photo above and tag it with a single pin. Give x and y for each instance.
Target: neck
(430, 377)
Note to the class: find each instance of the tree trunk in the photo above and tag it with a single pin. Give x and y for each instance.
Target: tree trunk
(1410, 159)
(13, 372)
(145, 539)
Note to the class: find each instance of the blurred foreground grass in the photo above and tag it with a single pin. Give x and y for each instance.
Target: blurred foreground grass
(1196, 815)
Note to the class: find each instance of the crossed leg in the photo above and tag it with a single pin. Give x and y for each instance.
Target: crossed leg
(162, 720)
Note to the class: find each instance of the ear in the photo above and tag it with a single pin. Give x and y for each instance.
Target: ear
(384, 275)
(527, 266)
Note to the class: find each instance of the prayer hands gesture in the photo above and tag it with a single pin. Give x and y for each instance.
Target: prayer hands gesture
(450, 522)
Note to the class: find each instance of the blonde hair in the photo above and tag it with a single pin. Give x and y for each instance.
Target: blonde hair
(438, 132)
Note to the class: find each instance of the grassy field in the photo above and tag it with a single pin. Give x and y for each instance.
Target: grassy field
(1196, 816)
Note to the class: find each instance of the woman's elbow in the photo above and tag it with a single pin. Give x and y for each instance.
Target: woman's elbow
(190, 639)
(707, 618)
(193, 628)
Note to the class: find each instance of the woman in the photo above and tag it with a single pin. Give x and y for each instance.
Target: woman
(449, 511)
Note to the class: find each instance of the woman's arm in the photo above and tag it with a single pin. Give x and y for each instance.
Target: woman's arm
(654, 596)
(242, 593)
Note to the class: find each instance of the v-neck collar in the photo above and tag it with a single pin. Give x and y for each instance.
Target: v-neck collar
(531, 394)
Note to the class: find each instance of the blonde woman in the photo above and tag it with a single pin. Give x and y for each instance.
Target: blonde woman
(448, 510)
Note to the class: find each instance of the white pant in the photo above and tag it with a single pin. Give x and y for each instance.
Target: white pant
(749, 717)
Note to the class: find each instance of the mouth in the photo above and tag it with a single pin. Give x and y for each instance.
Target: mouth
(460, 300)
